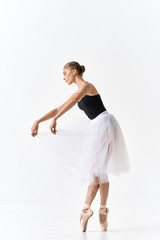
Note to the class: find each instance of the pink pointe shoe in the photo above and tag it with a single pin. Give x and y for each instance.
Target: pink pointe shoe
(104, 224)
(86, 214)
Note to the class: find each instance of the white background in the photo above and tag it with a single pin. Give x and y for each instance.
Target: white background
(118, 43)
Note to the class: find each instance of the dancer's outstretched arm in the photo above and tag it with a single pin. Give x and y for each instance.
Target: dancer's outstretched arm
(59, 111)
(74, 98)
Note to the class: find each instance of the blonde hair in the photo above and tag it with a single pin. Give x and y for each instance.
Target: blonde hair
(75, 65)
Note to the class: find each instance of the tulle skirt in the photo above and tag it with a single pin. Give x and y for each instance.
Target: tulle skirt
(89, 150)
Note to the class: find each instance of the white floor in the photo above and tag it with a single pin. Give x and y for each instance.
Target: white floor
(37, 222)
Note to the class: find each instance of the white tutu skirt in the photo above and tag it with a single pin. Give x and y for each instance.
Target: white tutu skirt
(89, 150)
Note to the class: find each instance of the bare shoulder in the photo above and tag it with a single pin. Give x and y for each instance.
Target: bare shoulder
(91, 89)
(86, 89)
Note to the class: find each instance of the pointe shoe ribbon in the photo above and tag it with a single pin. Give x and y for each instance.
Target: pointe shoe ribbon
(86, 214)
(104, 225)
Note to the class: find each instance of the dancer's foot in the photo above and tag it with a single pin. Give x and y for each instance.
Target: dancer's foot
(84, 217)
(103, 214)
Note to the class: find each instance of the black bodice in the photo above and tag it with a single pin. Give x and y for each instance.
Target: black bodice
(91, 105)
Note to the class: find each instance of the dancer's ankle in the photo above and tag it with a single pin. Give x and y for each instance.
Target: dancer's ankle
(102, 206)
(86, 206)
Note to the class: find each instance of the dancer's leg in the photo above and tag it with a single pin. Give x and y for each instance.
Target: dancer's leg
(104, 189)
(91, 193)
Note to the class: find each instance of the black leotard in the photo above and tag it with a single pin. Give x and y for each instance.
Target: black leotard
(91, 105)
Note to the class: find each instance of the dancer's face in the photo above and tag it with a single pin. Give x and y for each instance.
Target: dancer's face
(69, 75)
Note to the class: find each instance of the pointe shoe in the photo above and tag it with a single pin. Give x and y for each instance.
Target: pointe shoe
(104, 225)
(86, 214)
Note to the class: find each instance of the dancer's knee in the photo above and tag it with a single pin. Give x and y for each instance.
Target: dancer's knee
(103, 180)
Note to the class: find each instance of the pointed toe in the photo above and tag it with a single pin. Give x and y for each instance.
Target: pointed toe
(86, 214)
(104, 224)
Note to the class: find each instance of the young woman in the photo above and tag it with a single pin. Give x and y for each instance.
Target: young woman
(90, 150)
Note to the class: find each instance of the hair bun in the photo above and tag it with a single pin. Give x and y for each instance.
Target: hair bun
(75, 65)
(83, 68)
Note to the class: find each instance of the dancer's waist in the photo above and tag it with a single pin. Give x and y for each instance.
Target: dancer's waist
(99, 116)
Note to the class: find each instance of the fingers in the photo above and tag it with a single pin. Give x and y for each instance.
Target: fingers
(53, 130)
(53, 127)
(34, 132)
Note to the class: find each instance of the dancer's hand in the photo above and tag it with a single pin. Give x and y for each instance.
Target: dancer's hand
(53, 126)
(34, 129)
